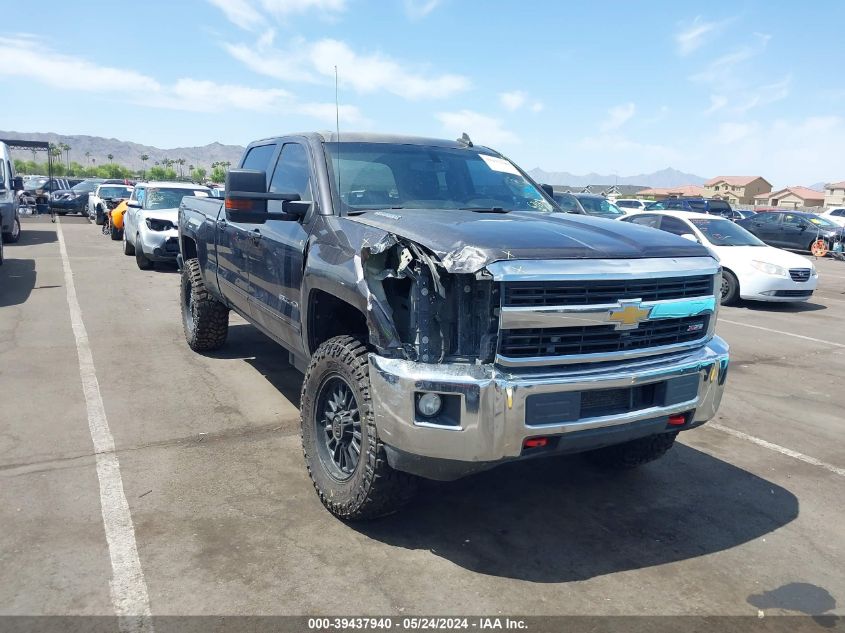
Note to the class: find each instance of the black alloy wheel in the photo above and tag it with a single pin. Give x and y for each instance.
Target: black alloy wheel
(338, 423)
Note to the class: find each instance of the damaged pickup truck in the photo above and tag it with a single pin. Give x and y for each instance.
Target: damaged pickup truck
(447, 315)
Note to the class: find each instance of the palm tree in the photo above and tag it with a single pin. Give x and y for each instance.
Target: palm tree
(87, 156)
(144, 159)
(227, 164)
(110, 157)
(181, 162)
(66, 148)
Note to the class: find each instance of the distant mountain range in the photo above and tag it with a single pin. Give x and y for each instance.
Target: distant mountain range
(664, 178)
(125, 153)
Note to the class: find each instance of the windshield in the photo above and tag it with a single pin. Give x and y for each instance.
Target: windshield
(720, 232)
(114, 192)
(35, 183)
(388, 175)
(163, 198)
(599, 206)
(86, 186)
(820, 221)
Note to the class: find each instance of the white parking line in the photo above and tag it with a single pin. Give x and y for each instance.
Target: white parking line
(766, 329)
(779, 449)
(128, 587)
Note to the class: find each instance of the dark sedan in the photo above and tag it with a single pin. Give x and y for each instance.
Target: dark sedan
(75, 199)
(795, 230)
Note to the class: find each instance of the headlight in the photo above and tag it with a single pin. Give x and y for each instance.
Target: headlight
(770, 269)
(813, 271)
(159, 225)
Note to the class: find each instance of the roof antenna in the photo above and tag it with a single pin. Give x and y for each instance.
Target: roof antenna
(465, 140)
(337, 138)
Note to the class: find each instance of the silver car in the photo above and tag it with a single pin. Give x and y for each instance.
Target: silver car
(150, 225)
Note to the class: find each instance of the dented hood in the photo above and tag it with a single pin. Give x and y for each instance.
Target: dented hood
(467, 241)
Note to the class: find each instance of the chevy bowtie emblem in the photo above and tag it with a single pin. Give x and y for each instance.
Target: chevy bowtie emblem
(628, 315)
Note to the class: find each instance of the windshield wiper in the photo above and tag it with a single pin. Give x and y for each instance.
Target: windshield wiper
(486, 209)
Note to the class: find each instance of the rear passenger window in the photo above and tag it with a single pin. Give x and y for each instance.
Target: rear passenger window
(293, 173)
(259, 157)
(674, 225)
(646, 220)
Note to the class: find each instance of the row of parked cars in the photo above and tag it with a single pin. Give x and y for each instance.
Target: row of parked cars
(751, 246)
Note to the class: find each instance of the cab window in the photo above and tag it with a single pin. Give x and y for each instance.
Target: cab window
(259, 157)
(674, 225)
(646, 220)
(292, 173)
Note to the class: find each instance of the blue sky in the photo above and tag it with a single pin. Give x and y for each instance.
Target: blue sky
(742, 87)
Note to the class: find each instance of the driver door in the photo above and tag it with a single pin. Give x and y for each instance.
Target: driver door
(792, 231)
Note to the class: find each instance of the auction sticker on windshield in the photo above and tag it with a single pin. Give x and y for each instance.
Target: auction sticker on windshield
(499, 164)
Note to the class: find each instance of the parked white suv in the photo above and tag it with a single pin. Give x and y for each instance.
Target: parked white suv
(151, 220)
(835, 214)
(10, 223)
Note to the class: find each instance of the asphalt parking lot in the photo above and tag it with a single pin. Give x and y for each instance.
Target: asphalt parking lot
(744, 516)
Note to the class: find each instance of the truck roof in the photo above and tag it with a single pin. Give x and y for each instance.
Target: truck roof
(367, 137)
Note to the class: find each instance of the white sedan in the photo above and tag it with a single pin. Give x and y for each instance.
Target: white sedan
(750, 268)
(150, 226)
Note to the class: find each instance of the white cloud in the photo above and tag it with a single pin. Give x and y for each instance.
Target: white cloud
(249, 14)
(617, 116)
(363, 73)
(721, 70)
(764, 95)
(513, 100)
(717, 102)
(239, 12)
(693, 35)
(28, 57)
(517, 100)
(731, 132)
(482, 129)
(35, 60)
(417, 9)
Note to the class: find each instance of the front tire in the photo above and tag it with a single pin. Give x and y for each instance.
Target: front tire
(142, 260)
(15, 234)
(632, 454)
(344, 455)
(730, 288)
(204, 319)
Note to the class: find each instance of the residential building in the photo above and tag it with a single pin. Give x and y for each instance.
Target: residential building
(834, 194)
(737, 189)
(791, 198)
(661, 193)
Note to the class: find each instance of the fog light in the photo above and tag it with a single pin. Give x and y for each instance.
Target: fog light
(429, 404)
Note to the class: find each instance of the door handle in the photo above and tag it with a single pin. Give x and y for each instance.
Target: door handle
(256, 236)
(222, 224)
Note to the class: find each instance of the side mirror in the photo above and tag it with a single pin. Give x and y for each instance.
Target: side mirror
(134, 204)
(247, 196)
(17, 183)
(690, 237)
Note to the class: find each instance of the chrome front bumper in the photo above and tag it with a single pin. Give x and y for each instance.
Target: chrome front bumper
(492, 423)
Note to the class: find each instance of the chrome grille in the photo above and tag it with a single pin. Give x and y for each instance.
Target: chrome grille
(799, 274)
(600, 339)
(604, 291)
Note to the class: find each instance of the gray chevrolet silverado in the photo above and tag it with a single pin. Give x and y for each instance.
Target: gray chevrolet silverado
(448, 317)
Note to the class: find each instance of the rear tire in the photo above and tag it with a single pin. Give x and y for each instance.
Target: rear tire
(730, 288)
(128, 249)
(204, 319)
(632, 454)
(14, 235)
(349, 489)
(142, 260)
(116, 234)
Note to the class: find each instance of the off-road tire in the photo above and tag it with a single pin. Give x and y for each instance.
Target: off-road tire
(142, 260)
(10, 237)
(731, 295)
(128, 249)
(116, 234)
(99, 216)
(632, 454)
(204, 319)
(374, 489)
